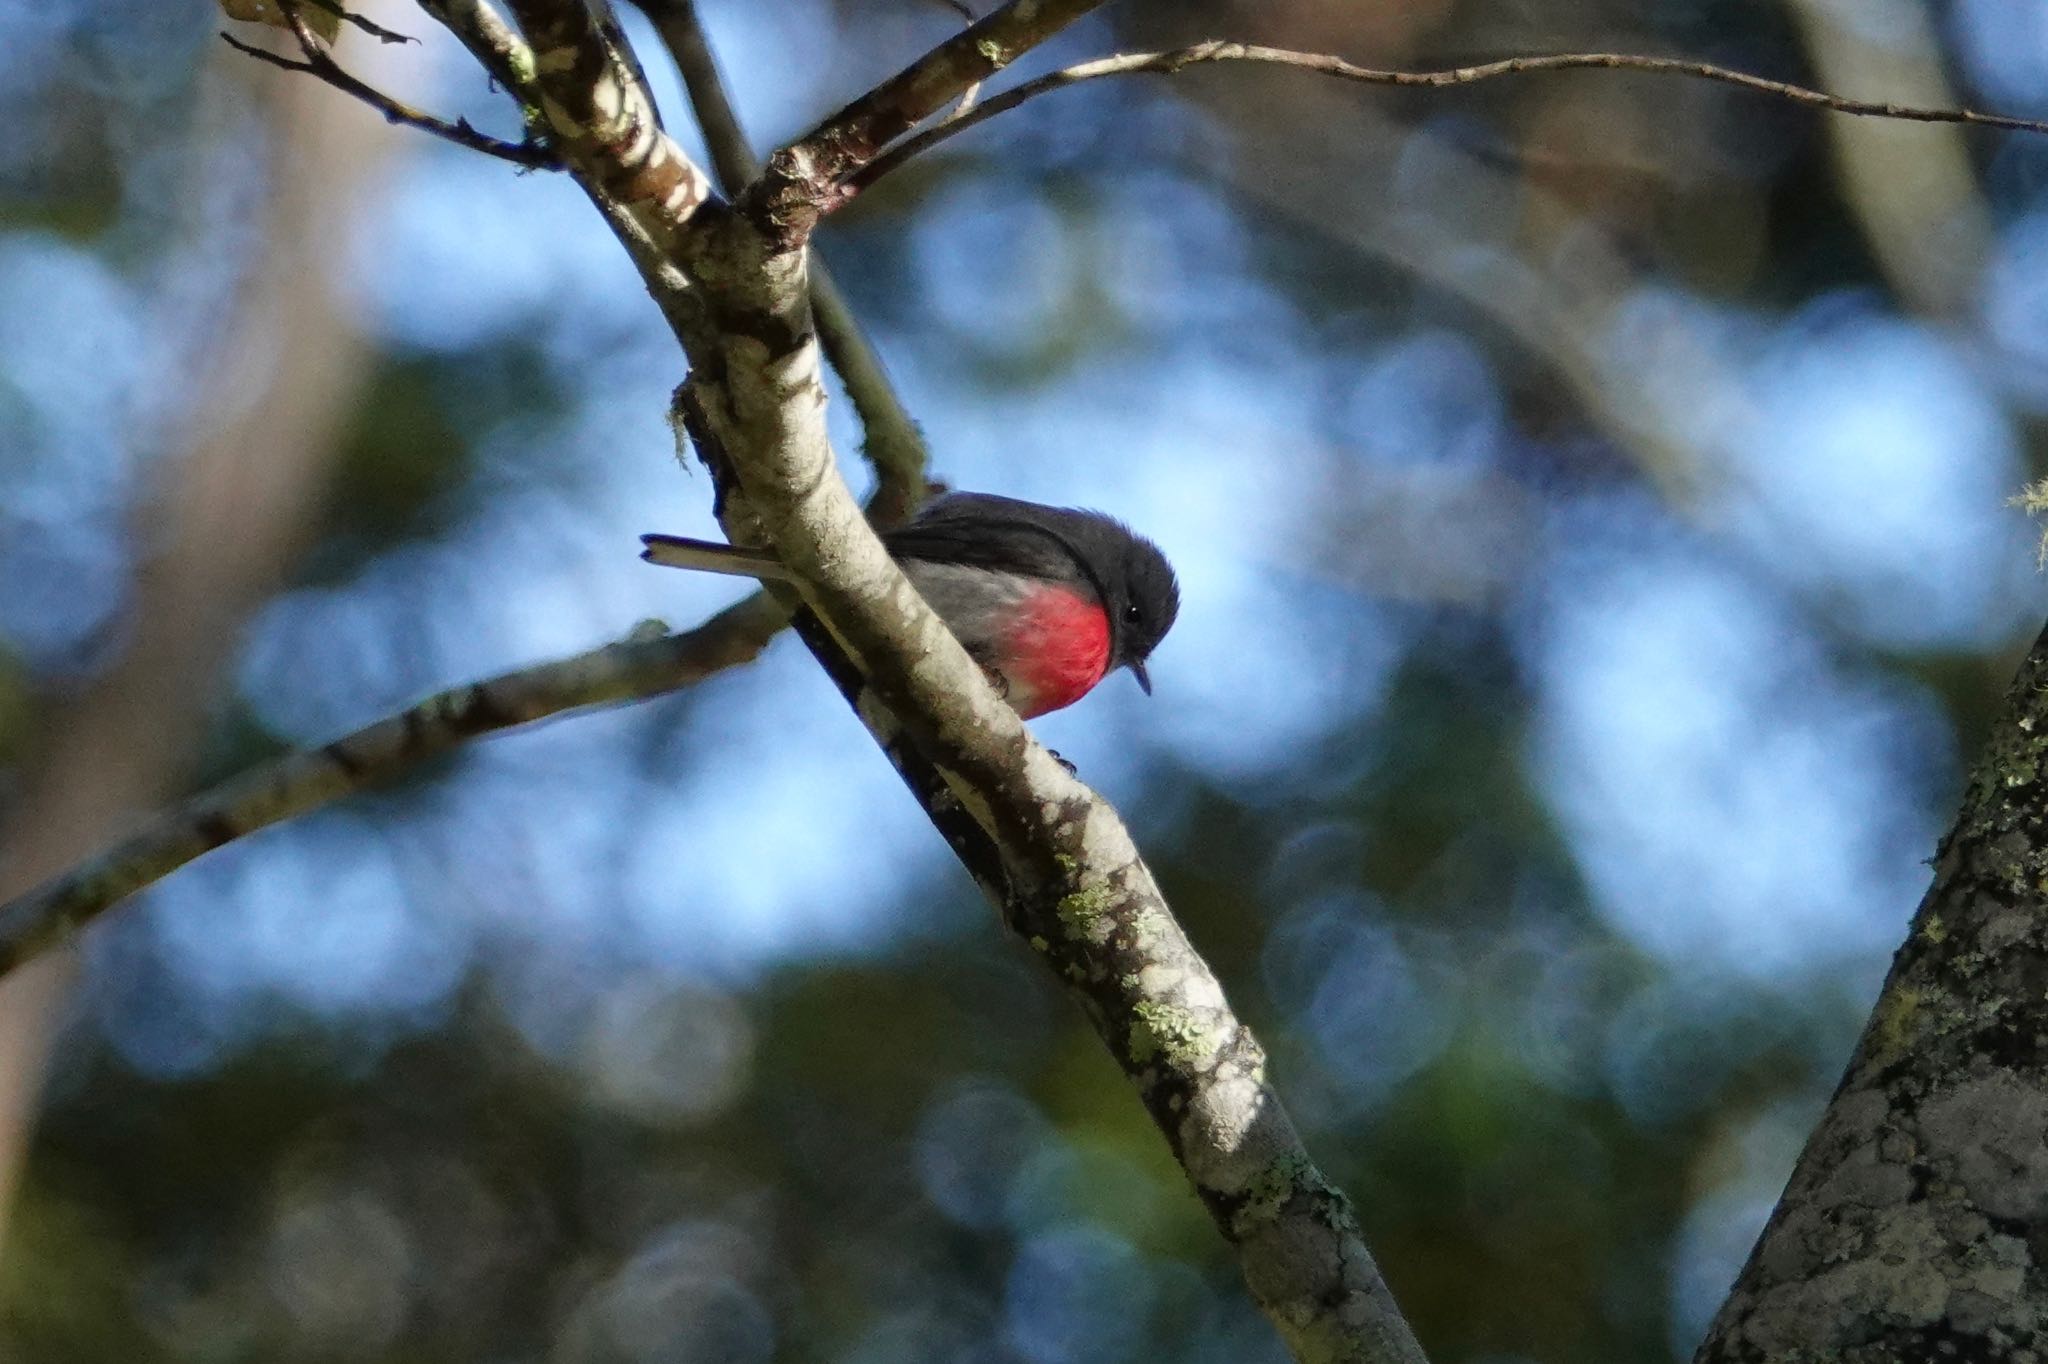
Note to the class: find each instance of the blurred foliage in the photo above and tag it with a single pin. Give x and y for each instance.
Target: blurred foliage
(1543, 763)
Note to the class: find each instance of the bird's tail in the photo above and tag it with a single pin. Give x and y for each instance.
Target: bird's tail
(673, 551)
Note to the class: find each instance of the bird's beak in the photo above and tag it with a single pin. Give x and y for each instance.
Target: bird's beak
(1144, 680)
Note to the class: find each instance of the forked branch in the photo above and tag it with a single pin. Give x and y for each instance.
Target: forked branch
(891, 440)
(804, 177)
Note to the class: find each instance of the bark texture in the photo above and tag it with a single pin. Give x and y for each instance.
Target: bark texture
(1915, 1226)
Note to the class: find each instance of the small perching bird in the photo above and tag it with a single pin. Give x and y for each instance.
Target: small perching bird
(1048, 600)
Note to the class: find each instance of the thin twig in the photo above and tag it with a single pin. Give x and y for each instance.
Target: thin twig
(893, 444)
(1169, 63)
(857, 132)
(375, 30)
(630, 670)
(527, 155)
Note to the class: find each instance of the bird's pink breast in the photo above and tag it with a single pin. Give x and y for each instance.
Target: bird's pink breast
(1057, 650)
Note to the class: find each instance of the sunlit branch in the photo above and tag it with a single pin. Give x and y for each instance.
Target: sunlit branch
(682, 33)
(1169, 63)
(597, 110)
(493, 41)
(804, 173)
(893, 444)
(322, 67)
(1052, 856)
(630, 670)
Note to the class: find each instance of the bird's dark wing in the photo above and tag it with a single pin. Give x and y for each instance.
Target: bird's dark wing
(981, 530)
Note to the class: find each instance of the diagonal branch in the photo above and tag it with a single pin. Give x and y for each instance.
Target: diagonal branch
(495, 44)
(846, 140)
(630, 670)
(1054, 857)
(1057, 862)
(319, 65)
(598, 111)
(1173, 62)
(803, 176)
(893, 445)
(1050, 854)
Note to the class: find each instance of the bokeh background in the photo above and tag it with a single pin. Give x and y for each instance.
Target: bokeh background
(1589, 493)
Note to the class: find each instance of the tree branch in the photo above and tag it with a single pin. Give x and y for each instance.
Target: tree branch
(630, 670)
(803, 178)
(598, 111)
(1173, 62)
(1049, 853)
(893, 444)
(495, 44)
(1912, 1225)
(682, 33)
(1059, 865)
(1052, 856)
(319, 65)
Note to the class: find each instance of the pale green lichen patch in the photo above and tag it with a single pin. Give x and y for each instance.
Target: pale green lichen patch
(1085, 912)
(1896, 1025)
(2033, 500)
(1166, 1030)
(1039, 944)
(1334, 1209)
(1268, 1191)
(2014, 760)
(525, 69)
(1146, 925)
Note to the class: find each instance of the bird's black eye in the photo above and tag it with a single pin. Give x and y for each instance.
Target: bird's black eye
(1133, 614)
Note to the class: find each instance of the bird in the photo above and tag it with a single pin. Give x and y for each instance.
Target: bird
(1048, 600)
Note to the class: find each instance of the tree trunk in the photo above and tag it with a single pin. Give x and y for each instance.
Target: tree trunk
(1915, 1226)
